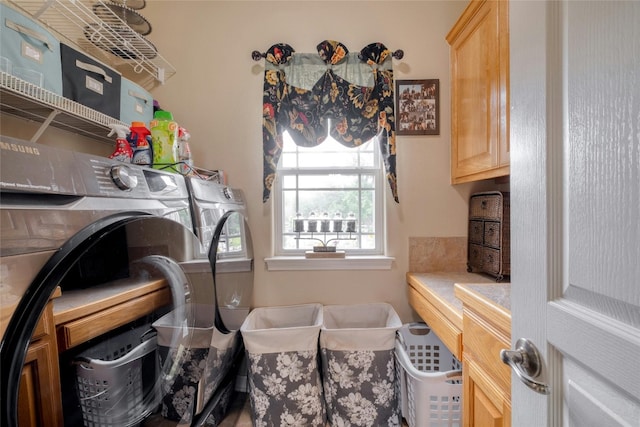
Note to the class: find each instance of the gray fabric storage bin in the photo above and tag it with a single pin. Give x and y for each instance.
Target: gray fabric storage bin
(357, 345)
(284, 376)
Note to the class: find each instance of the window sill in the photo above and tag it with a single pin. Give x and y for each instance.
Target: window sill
(283, 263)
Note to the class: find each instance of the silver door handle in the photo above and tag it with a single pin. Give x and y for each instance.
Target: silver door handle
(526, 363)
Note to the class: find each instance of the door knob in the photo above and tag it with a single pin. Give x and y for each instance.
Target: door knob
(526, 363)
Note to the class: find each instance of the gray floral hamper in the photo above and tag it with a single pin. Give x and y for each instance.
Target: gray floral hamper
(357, 344)
(281, 343)
(202, 355)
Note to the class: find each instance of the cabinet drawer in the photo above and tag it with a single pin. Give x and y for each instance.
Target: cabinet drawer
(482, 343)
(492, 234)
(486, 206)
(476, 232)
(75, 332)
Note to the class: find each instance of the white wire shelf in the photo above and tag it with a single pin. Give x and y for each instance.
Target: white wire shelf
(23, 99)
(93, 27)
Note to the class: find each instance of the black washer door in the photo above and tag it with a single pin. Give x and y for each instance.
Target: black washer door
(152, 361)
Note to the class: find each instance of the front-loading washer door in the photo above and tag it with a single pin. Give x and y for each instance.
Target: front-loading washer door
(132, 348)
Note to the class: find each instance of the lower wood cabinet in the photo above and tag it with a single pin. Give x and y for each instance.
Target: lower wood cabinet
(486, 380)
(39, 396)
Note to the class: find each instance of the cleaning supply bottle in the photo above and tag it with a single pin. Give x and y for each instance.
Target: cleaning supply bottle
(140, 139)
(123, 151)
(184, 151)
(164, 135)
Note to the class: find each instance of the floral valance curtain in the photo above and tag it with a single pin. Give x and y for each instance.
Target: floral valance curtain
(303, 91)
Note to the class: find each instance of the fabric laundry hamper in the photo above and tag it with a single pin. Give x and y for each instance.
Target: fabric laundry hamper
(284, 376)
(357, 346)
(202, 352)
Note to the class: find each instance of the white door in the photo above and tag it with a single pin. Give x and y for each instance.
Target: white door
(575, 209)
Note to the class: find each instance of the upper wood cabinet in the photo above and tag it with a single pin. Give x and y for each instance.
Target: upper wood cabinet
(479, 43)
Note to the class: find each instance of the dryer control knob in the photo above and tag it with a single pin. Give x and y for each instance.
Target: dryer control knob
(123, 177)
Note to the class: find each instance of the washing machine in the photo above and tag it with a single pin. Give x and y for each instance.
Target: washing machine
(100, 244)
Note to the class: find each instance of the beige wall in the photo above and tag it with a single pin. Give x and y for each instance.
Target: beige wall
(217, 95)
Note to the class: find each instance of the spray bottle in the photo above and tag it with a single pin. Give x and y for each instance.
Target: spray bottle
(140, 139)
(123, 151)
(184, 152)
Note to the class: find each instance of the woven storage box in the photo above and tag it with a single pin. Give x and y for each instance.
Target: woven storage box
(489, 247)
(28, 51)
(115, 379)
(430, 379)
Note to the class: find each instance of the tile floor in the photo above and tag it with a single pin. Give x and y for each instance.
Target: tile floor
(240, 413)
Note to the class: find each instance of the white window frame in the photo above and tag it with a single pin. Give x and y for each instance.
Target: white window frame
(379, 205)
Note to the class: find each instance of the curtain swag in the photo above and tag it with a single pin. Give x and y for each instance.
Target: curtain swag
(302, 91)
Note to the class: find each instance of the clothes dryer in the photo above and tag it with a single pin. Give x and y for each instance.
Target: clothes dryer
(109, 238)
(220, 221)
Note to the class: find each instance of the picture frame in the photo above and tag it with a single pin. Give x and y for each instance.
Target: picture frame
(418, 107)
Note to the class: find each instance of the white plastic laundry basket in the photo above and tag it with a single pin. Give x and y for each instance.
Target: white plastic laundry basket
(431, 379)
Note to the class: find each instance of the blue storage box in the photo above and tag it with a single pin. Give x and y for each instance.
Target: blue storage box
(90, 82)
(136, 104)
(29, 51)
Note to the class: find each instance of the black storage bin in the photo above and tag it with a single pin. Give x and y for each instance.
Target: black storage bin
(90, 82)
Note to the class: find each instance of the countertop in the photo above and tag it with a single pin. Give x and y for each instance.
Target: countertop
(441, 284)
(438, 297)
(498, 293)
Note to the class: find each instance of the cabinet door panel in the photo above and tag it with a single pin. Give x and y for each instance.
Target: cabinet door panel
(475, 94)
(480, 92)
(484, 413)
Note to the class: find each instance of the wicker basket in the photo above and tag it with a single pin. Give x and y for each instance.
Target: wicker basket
(489, 245)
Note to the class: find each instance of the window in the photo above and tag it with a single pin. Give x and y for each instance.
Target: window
(330, 180)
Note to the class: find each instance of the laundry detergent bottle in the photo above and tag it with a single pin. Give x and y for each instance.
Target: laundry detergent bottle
(140, 139)
(164, 136)
(123, 151)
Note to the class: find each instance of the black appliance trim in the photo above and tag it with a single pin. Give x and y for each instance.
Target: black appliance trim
(213, 251)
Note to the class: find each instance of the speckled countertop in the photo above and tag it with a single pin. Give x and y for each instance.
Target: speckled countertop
(438, 298)
(499, 293)
(442, 285)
